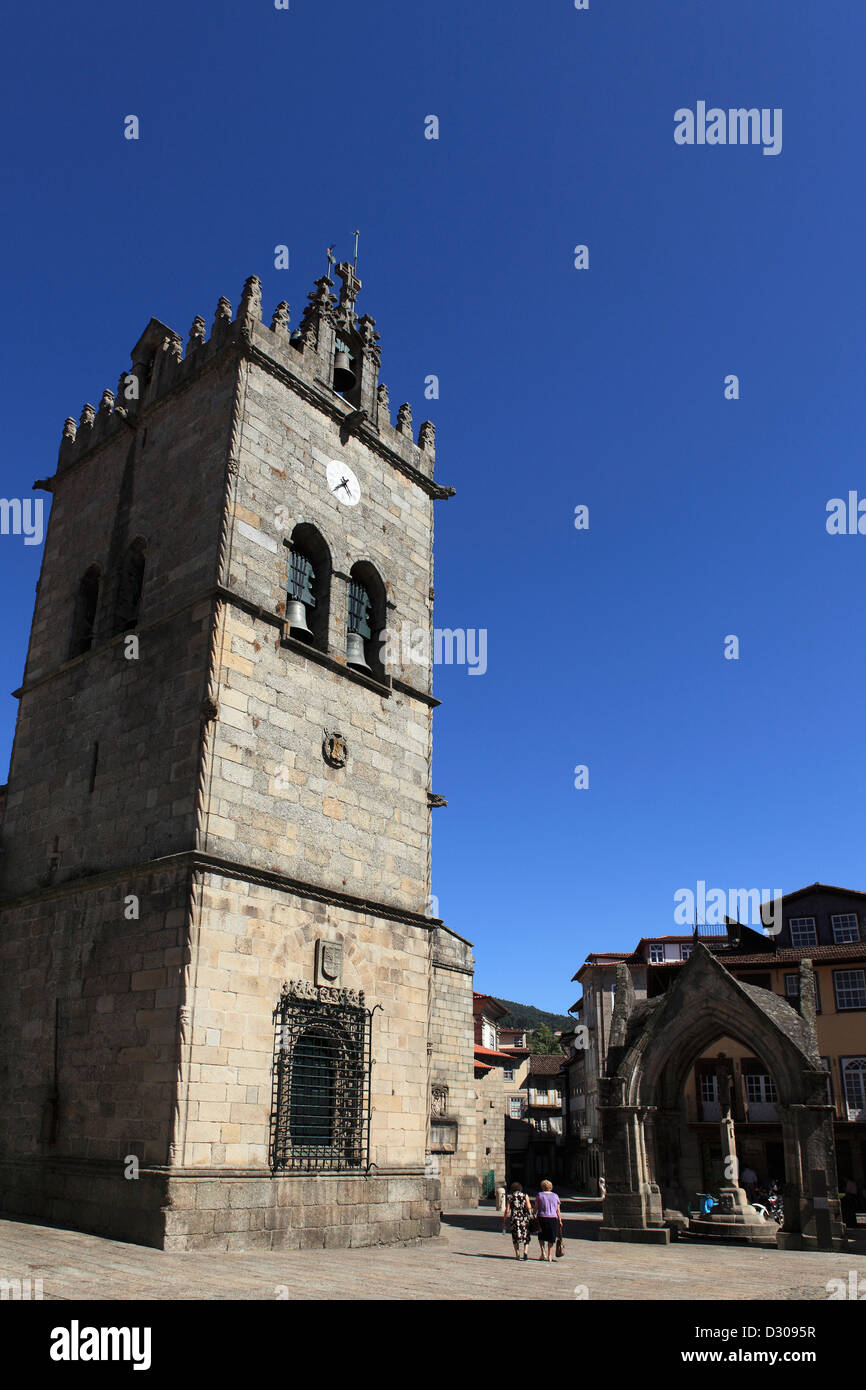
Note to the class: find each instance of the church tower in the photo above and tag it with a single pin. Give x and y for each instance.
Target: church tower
(226, 1002)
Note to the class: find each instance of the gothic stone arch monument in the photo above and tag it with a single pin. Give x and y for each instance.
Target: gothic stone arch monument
(648, 1148)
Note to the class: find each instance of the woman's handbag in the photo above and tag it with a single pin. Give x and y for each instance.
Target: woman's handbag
(559, 1250)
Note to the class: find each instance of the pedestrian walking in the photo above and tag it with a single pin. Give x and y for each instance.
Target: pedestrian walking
(549, 1213)
(518, 1210)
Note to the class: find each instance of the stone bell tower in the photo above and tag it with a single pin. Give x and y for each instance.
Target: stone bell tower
(225, 1000)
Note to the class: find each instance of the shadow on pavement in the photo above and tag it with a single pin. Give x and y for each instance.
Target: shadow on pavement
(573, 1227)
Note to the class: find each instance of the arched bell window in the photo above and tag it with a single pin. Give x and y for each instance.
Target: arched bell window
(345, 370)
(366, 620)
(307, 598)
(84, 615)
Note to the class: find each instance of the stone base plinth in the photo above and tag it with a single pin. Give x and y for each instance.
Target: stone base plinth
(639, 1235)
(795, 1240)
(728, 1227)
(215, 1209)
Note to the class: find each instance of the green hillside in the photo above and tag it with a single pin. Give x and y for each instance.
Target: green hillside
(527, 1016)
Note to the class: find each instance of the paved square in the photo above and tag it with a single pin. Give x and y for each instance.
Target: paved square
(471, 1260)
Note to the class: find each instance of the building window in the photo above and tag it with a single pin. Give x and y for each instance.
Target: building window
(708, 1088)
(488, 1035)
(508, 1073)
(130, 584)
(321, 1081)
(828, 1078)
(556, 1124)
(656, 955)
(84, 617)
(543, 1124)
(516, 1107)
(845, 928)
(685, 952)
(760, 1089)
(854, 1086)
(803, 931)
(850, 989)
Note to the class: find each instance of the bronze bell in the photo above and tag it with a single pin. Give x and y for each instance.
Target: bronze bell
(355, 654)
(296, 617)
(344, 377)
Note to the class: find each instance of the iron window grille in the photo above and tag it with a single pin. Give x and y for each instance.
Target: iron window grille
(359, 609)
(320, 1116)
(301, 578)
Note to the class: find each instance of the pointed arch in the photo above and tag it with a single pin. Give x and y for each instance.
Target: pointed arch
(84, 612)
(130, 586)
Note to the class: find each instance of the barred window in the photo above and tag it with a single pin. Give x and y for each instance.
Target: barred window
(321, 1081)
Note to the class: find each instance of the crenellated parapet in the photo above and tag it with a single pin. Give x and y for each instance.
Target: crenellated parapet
(333, 356)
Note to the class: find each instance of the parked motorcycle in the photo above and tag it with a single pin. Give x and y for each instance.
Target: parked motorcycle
(769, 1199)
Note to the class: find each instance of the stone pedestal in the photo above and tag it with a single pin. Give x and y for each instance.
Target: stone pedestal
(737, 1219)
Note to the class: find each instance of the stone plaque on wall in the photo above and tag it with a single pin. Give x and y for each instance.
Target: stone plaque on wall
(329, 963)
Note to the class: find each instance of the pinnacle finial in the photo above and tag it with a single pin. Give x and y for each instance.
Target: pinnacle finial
(70, 429)
(427, 436)
(88, 415)
(223, 312)
(106, 405)
(404, 419)
(197, 334)
(280, 321)
(250, 310)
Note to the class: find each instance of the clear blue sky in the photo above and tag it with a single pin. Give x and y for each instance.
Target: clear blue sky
(558, 387)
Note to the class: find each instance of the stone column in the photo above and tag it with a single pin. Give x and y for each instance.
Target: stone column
(632, 1203)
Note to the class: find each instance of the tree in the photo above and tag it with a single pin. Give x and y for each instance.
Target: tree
(543, 1039)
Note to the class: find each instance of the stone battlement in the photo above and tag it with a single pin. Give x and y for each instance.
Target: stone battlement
(303, 358)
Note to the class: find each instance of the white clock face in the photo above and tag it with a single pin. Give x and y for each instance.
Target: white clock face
(343, 484)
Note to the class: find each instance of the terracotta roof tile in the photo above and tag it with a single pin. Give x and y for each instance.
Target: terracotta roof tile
(545, 1063)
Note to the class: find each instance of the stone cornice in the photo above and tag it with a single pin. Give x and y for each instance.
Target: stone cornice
(198, 860)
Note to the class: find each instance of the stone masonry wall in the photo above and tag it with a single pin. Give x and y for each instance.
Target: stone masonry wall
(144, 713)
(452, 1065)
(112, 988)
(252, 938)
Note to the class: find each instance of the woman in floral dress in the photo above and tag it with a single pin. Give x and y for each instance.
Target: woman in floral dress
(518, 1209)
